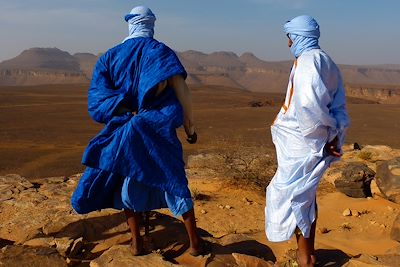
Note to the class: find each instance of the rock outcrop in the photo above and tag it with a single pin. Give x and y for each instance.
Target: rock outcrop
(39, 228)
(380, 94)
(355, 180)
(388, 178)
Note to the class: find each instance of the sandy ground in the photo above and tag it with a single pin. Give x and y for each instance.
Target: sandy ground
(230, 217)
(227, 210)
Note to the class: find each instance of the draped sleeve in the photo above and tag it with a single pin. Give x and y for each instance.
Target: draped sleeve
(103, 97)
(159, 63)
(339, 111)
(313, 101)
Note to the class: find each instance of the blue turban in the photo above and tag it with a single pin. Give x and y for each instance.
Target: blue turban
(141, 22)
(304, 33)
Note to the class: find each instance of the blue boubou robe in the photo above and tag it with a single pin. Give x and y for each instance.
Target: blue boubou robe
(142, 147)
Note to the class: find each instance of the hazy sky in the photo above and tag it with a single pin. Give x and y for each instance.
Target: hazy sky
(352, 31)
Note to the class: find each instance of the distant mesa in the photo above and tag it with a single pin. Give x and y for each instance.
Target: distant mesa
(50, 59)
(374, 83)
(364, 84)
(86, 62)
(44, 66)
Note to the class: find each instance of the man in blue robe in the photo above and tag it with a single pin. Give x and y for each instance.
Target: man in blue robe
(135, 163)
(308, 133)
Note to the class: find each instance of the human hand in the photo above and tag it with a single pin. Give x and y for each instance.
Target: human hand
(192, 138)
(332, 148)
(189, 130)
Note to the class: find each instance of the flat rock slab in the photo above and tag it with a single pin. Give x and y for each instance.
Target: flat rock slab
(19, 256)
(120, 256)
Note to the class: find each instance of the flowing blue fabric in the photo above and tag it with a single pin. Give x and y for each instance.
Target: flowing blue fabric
(143, 147)
(141, 22)
(139, 197)
(304, 32)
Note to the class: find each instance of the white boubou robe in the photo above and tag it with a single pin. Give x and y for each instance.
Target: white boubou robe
(313, 114)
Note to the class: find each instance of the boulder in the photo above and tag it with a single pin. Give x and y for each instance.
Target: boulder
(355, 180)
(388, 179)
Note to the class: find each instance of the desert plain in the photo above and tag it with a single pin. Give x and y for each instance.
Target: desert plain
(45, 129)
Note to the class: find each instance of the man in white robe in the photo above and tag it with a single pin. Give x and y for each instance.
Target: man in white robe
(308, 133)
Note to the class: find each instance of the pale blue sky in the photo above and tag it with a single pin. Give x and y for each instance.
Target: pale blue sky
(352, 31)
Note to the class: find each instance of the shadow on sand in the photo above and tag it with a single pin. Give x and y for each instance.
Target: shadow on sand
(331, 257)
(167, 235)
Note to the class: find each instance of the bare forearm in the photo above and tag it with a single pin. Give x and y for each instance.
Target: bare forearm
(185, 98)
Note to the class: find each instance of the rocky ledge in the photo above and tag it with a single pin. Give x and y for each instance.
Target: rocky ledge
(39, 227)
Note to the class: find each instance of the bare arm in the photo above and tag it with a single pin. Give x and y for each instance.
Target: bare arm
(184, 96)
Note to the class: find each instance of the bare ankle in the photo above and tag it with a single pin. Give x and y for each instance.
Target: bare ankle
(199, 248)
(305, 260)
(137, 247)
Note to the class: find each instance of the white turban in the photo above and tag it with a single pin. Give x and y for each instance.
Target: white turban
(141, 22)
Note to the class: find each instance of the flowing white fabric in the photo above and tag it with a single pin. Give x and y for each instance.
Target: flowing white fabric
(314, 113)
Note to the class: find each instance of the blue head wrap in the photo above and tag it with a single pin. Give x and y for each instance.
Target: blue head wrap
(304, 33)
(141, 22)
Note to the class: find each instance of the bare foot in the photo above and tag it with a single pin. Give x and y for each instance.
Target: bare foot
(313, 259)
(137, 248)
(306, 261)
(200, 248)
